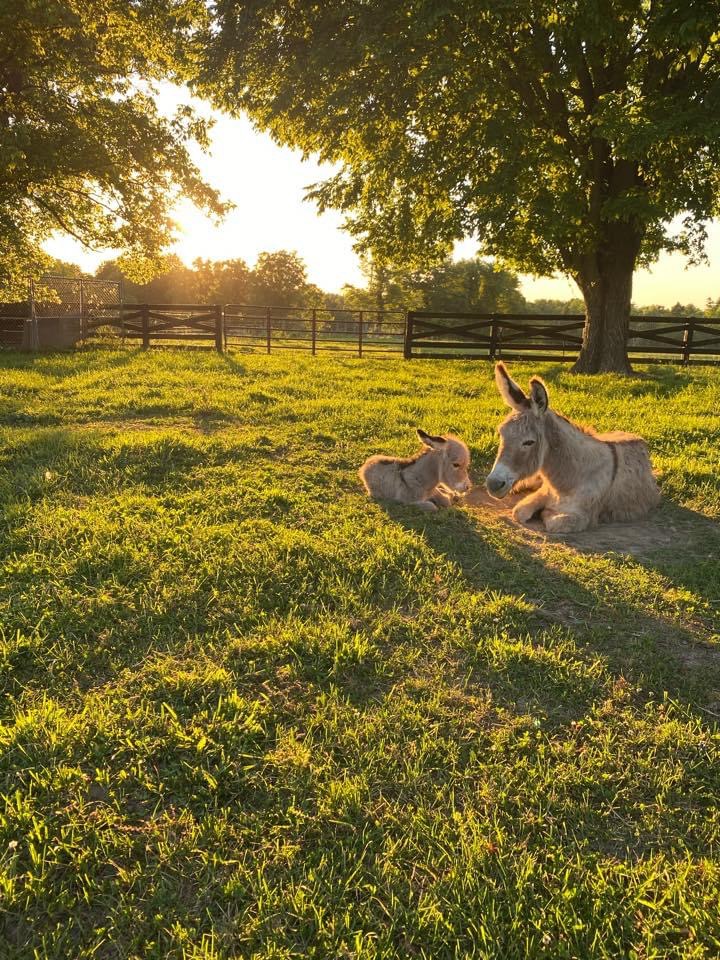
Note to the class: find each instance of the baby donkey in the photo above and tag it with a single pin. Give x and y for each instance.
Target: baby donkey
(443, 462)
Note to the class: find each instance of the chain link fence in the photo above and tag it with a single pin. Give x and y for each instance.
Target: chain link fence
(56, 313)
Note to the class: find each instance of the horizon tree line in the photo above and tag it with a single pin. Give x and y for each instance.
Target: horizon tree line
(279, 278)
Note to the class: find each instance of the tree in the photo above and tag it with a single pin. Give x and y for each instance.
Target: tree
(222, 281)
(678, 310)
(175, 283)
(712, 308)
(544, 305)
(279, 279)
(61, 268)
(83, 147)
(472, 286)
(387, 287)
(563, 134)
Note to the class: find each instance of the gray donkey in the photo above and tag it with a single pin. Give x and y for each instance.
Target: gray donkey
(582, 477)
(442, 463)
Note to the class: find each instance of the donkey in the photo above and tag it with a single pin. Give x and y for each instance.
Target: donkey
(581, 477)
(443, 462)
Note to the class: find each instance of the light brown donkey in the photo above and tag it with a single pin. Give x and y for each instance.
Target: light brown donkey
(427, 480)
(584, 477)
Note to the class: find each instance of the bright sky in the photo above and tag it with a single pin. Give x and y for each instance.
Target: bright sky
(266, 183)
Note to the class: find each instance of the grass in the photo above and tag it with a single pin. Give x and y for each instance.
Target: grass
(247, 713)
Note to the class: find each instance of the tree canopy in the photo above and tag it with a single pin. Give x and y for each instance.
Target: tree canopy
(565, 135)
(470, 285)
(279, 278)
(83, 147)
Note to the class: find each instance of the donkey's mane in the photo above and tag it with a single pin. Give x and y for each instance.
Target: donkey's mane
(582, 427)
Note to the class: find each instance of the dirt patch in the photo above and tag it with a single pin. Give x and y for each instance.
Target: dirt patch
(666, 528)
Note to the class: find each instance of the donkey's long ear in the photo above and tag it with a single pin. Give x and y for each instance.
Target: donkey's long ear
(430, 441)
(539, 399)
(511, 393)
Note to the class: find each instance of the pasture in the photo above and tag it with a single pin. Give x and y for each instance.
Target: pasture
(248, 713)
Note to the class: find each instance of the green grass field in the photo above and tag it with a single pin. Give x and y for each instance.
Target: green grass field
(247, 713)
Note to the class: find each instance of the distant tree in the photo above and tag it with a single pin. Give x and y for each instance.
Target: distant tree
(313, 296)
(572, 306)
(278, 279)
(472, 286)
(61, 268)
(222, 281)
(130, 291)
(712, 308)
(678, 310)
(175, 283)
(565, 135)
(83, 148)
(332, 301)
(387, 287)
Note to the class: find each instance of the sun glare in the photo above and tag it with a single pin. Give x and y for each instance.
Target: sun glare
(266, 183)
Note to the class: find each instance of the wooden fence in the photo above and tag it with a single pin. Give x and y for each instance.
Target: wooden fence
(157, 322)
(358, 332)
(554, 337)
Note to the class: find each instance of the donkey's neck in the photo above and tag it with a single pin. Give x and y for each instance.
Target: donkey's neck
(571, 455)
(424, 470)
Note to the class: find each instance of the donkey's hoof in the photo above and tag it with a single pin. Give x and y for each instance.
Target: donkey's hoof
(563, 522)
(523, 514)
(426, 505)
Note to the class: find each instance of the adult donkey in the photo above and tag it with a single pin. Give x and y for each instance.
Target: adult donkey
(584, 477)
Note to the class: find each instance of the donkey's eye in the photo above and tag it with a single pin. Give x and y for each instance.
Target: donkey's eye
(528, 443)
(457, 465)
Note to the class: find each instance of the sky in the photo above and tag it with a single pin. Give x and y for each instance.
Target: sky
(266, 183)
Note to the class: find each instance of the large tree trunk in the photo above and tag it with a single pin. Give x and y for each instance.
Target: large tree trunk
(605, 279)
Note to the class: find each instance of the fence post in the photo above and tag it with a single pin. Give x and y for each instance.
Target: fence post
(268, 328)
(314, 330)
(34, 332)
(83, 321)
(219, 332)
(407, 345)
(493, 339)
(360, 333)
(687, 340)
(145, 312)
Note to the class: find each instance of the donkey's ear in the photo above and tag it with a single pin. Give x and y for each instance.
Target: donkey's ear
(539, 399)
(429, 440)
(511, 393)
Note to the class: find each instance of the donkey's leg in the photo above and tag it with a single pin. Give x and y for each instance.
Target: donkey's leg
(440, 499)
(427, 505)
(565, 521)
(527, 508)
(528, 485)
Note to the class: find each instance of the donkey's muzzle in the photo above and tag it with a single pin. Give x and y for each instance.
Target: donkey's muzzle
(497, 486)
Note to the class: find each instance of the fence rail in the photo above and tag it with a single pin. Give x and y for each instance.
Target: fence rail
(359, 332)
(159, 321)
(363, 333)
(554, 337)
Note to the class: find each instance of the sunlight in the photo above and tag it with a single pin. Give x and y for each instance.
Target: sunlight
(267, 183)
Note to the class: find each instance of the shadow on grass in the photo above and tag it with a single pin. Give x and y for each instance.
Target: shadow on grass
(660, 380)
(655, 652)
